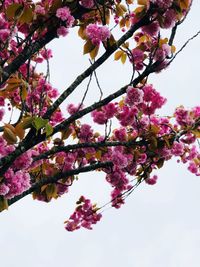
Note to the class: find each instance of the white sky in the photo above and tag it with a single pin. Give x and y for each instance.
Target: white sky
(158, 226)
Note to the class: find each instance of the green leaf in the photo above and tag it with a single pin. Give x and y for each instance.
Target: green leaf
(39, 123)
(48, 129)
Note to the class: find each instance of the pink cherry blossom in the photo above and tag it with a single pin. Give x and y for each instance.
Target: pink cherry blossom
(97, 34)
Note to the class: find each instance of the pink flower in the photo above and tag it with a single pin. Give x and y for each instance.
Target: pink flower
(138, 55)
(151, 29)
(162, 52)
(87, 3)
(4, 189)
(127, 115)
(53, 93)
(152, 180)
(63, 13)
(4, 34)
(85, 215)
(62, 31)
(39, 10)
(196, 111)
(2, 112)
(153, 98)
(164, 4)
(193, 168)
(57, 117)
(46, 53)
(99, 117)
(177, 149)
(97, 34)
(168, 19)
(71, 108)
(192, 153)
(182, 116)
(17, 182)
(142, 158)
(85, 133)
(2, 101)
(110, 109)
(24, 161)
(119, 159)
(134, 96)
(120, 134)
(3, 23)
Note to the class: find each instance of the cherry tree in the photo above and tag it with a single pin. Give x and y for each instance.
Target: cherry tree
(45, 143)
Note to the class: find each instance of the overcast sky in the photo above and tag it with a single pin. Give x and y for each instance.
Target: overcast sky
(158, 226)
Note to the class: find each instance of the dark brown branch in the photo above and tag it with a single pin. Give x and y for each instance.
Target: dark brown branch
(68, 148)
(31, 140)
(96, 64)
(106, 100)
(183, 46)
(173, 34)
(31, 49)
(58, 176)
(26, 54)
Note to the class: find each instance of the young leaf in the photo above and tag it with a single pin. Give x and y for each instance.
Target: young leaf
(20, 132)
(55, 5)
(39, 123)
(48, 129)
(66, 133)
(51, 191)
(118, 55)
(94, 52)
(3, 204)
(27, 15)
(26, 122)
(142, 2)
(81, 32)
(98, 154)
(24, 92)
(14, 10)
(88, 47)
(123, 58)
(9, 136)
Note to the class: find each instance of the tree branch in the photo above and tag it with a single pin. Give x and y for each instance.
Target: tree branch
(31, 140)
(31, 49)
(81, 113)
(96, 64)
(58, 176)
(68, 148)
(26, 54)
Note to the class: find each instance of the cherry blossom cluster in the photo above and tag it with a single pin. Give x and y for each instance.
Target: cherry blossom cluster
(156, 140)
(64, 14)
(97, 34)
(17, 178)
(87, 3)
(142, 141)
(4, 29)
(164, 4)
(39, 96)
(85, 215)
